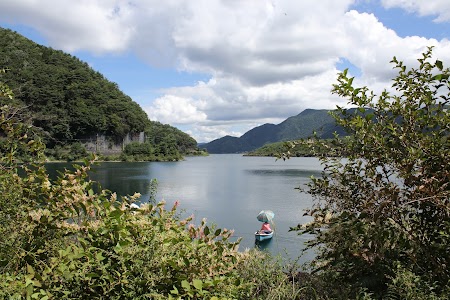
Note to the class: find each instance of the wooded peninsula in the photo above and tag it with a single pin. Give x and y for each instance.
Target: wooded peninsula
(75, 105)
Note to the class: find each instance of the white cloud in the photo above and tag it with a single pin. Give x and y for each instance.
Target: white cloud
(374, 46)
(438, 8)
(96, 26)
(175, 110)
(260, 42)
(267, 59)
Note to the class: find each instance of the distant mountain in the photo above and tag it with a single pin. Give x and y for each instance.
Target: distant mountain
(300, 126)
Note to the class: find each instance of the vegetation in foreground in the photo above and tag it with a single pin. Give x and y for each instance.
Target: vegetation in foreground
(381, 217)
(62, 240)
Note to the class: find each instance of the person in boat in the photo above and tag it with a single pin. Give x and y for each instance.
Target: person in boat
(265, 228)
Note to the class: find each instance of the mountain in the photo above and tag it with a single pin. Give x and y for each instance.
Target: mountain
(302, 125)
(70, 101)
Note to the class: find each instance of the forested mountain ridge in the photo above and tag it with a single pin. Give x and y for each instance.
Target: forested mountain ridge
(300, 126)
(69, 100)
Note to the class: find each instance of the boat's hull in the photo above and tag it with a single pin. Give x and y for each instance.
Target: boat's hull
(263, 236)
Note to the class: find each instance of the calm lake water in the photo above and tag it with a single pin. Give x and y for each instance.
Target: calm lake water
(228, 190)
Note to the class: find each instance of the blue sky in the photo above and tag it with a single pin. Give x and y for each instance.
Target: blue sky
(215, 68)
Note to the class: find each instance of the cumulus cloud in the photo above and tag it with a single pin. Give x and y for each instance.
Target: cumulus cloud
(173, 109)
(96, 26)
(438, 8)
(266, 59)
(226, 99)
(375, 45)
(260, 42)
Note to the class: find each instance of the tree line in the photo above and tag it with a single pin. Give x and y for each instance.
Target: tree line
(70, 101)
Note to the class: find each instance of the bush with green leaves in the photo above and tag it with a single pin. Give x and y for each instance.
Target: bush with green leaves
(136, 148)
(385, 206)
(67, 152)
(62, 240)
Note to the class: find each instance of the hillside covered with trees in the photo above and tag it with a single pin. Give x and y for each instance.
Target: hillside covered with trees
(303, 125)
(296, 127)
(301, 149)
(70, 101)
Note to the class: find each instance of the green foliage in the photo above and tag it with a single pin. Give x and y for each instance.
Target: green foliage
(227, 144)
(385, 207)
(62, 240)
(70, 102)
(68, 152)
(68, 99)
(168, 140)
(166, 150)
(295, 148)
(296, 127)
(404, 284)
(138, 149)
(5, 91)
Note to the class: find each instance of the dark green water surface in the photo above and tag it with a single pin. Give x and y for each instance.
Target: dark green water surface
(227, 189)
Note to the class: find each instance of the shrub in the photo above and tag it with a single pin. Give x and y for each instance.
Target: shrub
(387, 203)
(62, 240)
(136, 148)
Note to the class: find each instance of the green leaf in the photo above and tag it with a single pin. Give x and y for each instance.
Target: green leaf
(83, 207)
(30, 270)
(174, 291)
(439, 65)
(186, 286)
(369, 116)
(237, 282)
(206, 230)
(92, 275)
(350, 81)
(99, 256)
(441, 77)
(438, 77)
(124, 243)
(116, 213)
(186, 261)
(198, 284)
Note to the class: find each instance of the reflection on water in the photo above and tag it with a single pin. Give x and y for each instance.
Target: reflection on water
(228, 190)
(262, 245)
(284, 172)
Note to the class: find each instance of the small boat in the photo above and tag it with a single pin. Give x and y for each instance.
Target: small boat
(262, 236)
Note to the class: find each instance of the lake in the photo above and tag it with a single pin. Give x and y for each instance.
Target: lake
(229, 190)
